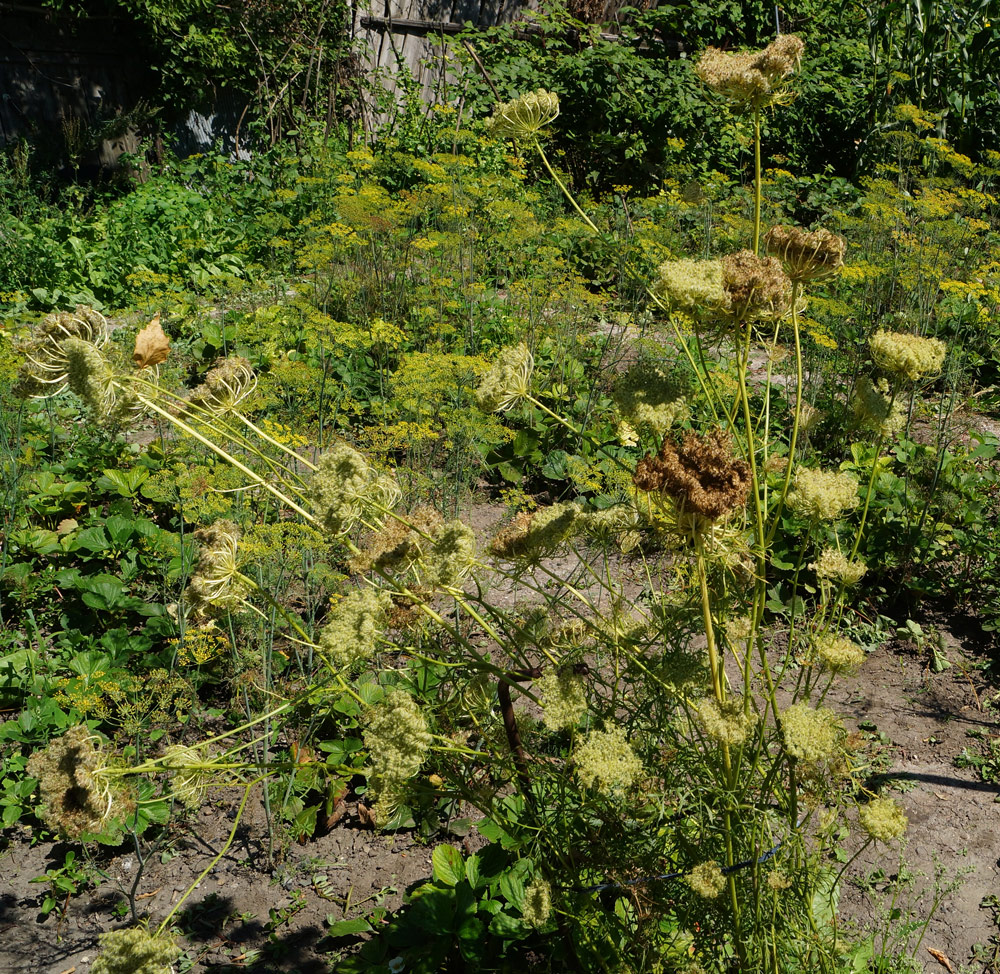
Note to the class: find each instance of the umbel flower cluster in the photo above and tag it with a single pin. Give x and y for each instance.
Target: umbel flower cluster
(822, 495)
(908, 356)
(46, 367)
(739, 286)
(752, 78)
(701, 474)
(525, 117)
(135, 951)
(345, 487)
(217, 585)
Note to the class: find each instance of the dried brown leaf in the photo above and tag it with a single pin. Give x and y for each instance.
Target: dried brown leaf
(151, 346)
(942, 959)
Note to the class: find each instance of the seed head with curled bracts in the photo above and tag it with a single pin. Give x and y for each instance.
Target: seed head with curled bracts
(525, 117)
(808, 255)
(46, 368)
(701, 474)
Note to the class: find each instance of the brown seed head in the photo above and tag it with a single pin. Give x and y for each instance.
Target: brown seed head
(757, 286)
(807, 255)
(701, 474)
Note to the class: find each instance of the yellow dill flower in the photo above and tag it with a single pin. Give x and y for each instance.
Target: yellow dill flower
(909, 356)
(135, 951)
(525, 117)
(838, 654)
(706, 879)
(563, 698)
(883, 819)
(811, 734)
(835, 566)
(822, 495)
(606, 761)
(507, 381)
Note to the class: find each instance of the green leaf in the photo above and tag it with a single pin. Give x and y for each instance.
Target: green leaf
(472, 871)
(449, 867)
(348, 928)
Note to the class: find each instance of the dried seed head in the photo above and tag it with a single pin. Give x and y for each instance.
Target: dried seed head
(757, 287)
(76, 796)
(701, 474)
(752, 78)
(451, 557)
(815, 255)
(525, 117)
(909, 356)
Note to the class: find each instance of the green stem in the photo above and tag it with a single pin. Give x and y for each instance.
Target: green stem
(756, 180)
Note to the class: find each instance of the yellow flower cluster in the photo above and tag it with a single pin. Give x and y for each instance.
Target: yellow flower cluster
(822, 495)
(909, 356)
(883, 819)
(563, 698)
(811, 734)
(836, 566)
(606, 761)
(838, 654)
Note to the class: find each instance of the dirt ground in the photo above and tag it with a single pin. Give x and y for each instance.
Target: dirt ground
(251, 915)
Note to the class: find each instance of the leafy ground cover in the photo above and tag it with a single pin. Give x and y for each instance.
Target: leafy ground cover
(412, 561)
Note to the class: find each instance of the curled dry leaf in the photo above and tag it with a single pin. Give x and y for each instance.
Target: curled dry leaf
(151, 345)
(942, 959)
